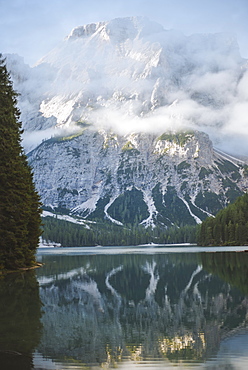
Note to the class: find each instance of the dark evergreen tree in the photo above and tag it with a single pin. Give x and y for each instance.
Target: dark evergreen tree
(69, 234)
(19, 202)
(229, 227)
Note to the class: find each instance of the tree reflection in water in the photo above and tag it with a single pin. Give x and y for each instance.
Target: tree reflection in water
(232, 267)
(102, 309)
(20, 326)
(99, 310)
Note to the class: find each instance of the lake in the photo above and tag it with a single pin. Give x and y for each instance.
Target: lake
(145, 307)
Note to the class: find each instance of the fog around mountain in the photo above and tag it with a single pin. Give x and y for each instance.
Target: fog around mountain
(132, 75)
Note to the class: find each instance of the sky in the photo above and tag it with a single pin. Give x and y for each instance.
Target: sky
(31, 28)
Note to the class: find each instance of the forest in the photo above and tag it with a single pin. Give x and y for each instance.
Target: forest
(228, 227)
(69, 234)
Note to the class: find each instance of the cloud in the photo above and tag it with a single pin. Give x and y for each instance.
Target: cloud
(119, 76)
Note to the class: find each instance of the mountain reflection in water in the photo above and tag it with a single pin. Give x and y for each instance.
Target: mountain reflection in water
(101, 310)
(126, 311)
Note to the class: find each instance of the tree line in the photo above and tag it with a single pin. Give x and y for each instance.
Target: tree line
(229, 227)
(69, 234)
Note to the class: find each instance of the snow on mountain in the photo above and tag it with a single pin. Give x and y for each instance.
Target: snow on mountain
(137, 178)
(113, 117)
(130, 74)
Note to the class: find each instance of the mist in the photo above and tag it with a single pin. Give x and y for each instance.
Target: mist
(131, 75)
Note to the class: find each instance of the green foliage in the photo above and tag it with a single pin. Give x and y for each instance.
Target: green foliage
(209, 201)
(229, 227)
(82, 125)
(99, 214)
(246, 170)
(70, 137)
(183, 166)
(204, 173)
(195, 210)
(227, 166)
(171, 209)
(63, 191)
(19, 202)
(128, 146)
(180, 138)
(232, 190)
(129, 208)
(184, 185)
(106, 233)
(231, 267)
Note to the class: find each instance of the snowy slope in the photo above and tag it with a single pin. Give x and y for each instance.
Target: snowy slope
(132, 75)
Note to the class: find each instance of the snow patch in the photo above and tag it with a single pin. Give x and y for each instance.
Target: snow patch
(106, 212)
(151, 209)
(154, 279)
(197, 219)
(44, 280)
(229, 158)
(90, 205)
(67, 218)
(203, 210)
(198, 269)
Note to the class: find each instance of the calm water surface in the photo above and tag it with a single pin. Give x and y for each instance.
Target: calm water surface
(127, 308)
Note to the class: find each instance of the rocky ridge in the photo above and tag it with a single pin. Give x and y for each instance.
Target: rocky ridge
(148, 179)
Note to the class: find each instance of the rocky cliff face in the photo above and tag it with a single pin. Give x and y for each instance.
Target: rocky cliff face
(114, 116)
(167, 179)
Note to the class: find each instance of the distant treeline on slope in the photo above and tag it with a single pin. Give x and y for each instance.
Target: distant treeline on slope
(229, 227)
(104, 233)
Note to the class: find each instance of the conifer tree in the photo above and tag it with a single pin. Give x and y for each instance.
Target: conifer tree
(229, 227)
(19, 202)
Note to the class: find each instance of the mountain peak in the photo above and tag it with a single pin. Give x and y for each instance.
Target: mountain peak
(118, 29)
(127, 73)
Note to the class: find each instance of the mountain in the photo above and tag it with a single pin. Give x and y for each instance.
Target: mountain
(117, 119)
(168, 179)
